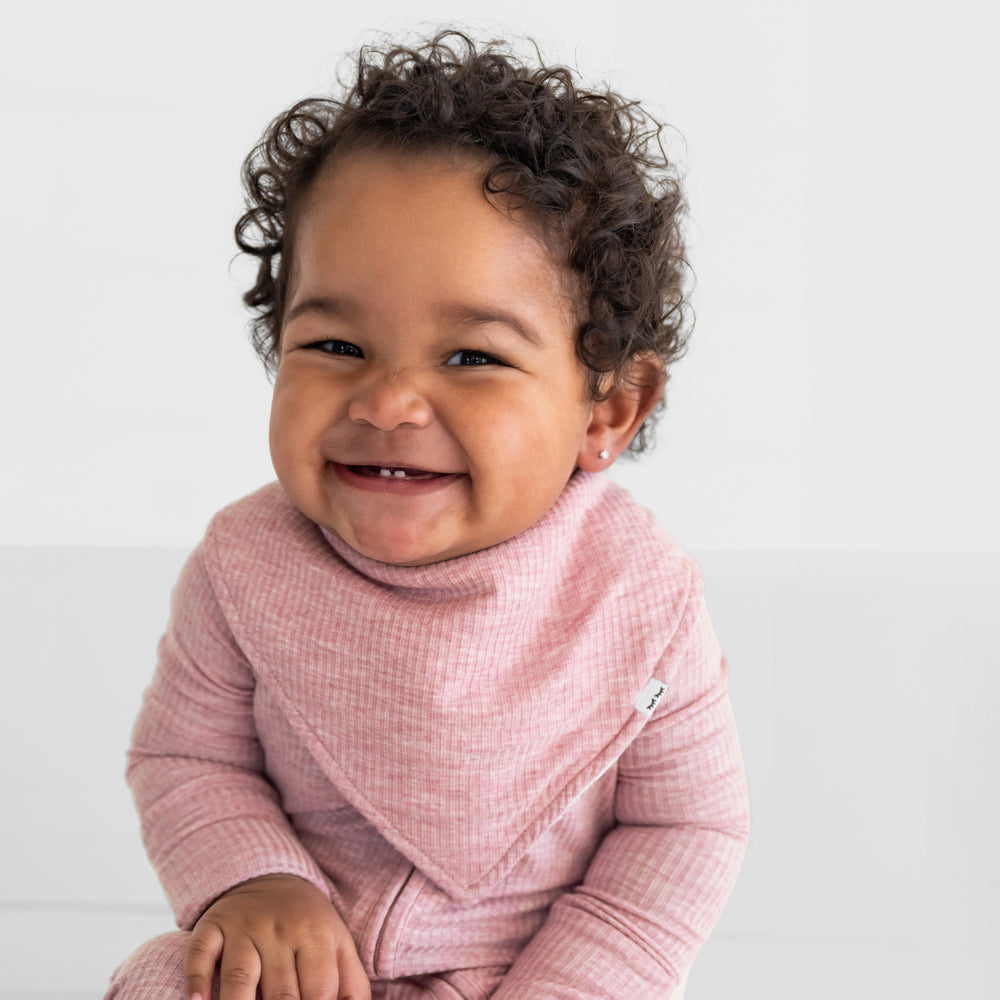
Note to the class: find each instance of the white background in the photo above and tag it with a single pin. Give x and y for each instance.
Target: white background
(841, 159)
(828, 453)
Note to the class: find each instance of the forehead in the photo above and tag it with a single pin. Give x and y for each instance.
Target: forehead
(381, 182)
(424, 215)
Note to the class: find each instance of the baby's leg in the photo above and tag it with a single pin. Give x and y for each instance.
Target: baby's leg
(153, 972)
(464, 984)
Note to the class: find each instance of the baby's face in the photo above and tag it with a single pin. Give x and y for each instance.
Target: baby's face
(429, 401)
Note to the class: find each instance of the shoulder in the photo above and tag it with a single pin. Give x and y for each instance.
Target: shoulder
(229, 560)
(623, 558)
(621, 533)
(262, 534)
(259, 514)
(262, 521)
(264, 561)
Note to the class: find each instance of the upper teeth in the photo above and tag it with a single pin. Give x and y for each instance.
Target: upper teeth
(398, 473)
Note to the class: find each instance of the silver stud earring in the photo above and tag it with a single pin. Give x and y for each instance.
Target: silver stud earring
(603, 453)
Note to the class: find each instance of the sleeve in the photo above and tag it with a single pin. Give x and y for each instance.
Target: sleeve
(661, 876)
(210, 817)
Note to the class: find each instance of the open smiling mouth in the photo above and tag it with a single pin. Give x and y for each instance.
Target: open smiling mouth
(394, 472)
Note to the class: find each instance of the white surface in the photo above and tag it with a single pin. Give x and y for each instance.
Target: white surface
(866, 694)
(839, 393)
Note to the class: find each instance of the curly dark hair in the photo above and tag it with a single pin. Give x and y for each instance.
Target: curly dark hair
(588, 169)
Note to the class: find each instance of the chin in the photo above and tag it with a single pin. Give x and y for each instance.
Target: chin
(393, 553)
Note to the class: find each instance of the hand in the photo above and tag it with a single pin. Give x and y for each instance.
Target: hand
(281, 932)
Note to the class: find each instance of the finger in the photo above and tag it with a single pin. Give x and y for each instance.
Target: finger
(239, 971)
(316, 966)
(203, 953)
(278, 977)
(354, 984)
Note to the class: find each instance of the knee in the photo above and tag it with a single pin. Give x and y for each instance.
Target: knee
(154, 971)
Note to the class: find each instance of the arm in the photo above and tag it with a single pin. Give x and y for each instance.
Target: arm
(230, 863)
(660, 878)
(210, 818)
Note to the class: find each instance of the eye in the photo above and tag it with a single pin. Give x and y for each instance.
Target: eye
(469, 358)
(341, 347)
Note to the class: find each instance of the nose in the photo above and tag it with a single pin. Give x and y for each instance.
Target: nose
(390, 400)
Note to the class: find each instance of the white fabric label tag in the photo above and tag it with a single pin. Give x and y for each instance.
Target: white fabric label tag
(650, 696)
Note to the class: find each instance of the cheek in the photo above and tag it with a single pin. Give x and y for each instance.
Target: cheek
(278, 421)
(532, 446)
(506, 433)
(288, 427)
(294, 406)
(277, 439)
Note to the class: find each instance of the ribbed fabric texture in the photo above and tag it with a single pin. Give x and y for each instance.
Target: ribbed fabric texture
(450, 750)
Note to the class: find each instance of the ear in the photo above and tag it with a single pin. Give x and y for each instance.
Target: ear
(616, 419)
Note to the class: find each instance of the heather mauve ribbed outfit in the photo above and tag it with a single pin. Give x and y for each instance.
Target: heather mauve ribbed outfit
(469, 758)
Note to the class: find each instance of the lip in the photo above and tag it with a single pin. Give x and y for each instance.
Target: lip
(392, 484)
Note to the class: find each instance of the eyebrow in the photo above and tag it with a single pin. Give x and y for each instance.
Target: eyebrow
(460, 313)
(470, 315)
(322, 304)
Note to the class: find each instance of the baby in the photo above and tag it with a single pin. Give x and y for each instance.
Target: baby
(440, 714)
